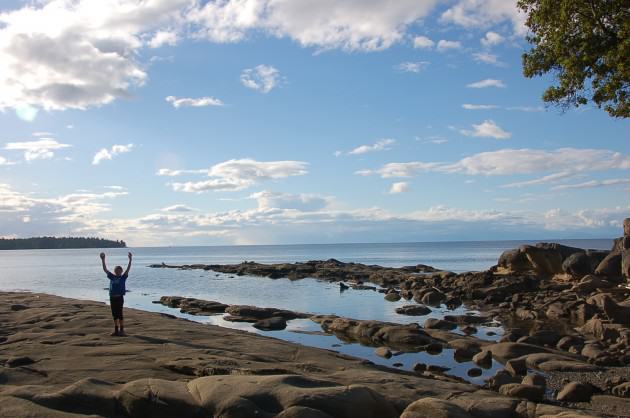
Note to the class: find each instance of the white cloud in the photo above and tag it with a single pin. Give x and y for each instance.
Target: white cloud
(412, 67)
(400, 187)
(3, 161)
(487, 58)
(485, 13)
(178, 208)
(37, 150)
(527, 108)
(491, 39)
(592, 184)
(262, 78)
(381, 145)
(163, 37)
(268, 200)
(178, 102)
(25, 112)
(489, 82)
(108, 154)
(63, 54)
(422, 42)
(469, 106)
(554, 177)
(444, 45)
(234, 175)
(326, 24)
(506, 162)
(487, 129)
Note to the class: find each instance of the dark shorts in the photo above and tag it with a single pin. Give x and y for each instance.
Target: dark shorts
(116, 303)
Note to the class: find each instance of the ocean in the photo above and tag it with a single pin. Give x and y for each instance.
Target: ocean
(77, 273)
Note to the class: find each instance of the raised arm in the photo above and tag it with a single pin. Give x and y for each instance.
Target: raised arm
(128, 265)
(103, 261)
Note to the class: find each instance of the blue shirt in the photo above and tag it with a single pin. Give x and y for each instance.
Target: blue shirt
(116, 284)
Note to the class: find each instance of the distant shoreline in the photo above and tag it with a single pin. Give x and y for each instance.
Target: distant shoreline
(54, 243)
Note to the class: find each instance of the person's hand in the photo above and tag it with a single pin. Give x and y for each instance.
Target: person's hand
(102, 255)
(130, 256)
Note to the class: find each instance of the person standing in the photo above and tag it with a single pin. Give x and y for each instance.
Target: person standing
(117, 291)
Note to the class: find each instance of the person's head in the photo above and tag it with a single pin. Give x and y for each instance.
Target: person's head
(118, 271)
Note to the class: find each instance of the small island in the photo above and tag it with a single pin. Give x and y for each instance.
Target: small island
(53, 243)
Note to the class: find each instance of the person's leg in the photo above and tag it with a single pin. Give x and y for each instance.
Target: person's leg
(112, 305)
(120, 316)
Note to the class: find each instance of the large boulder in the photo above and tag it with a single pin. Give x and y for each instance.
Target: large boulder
(625, 264)
(575, 392)
(542, 259)
(433, 408)
(610, 266)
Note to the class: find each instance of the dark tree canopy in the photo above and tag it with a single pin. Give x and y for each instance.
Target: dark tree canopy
(40, 243)
(586, 45)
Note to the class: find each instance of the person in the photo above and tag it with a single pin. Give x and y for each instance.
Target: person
(117, 292)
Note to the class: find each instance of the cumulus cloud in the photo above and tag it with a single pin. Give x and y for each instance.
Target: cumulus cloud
(178, 102)
(489, 82)
(444, 45)
(109, 154)
(381, 145)
(412, 67)
(325, 24)
(487, 58)
(487, 129)
(485, 13)
(422, 42)
(507, 162)
(262, 78)
(399, 187)
(75, 54)
(37, 150)
(163, 37)
(491, 39)
(234, 175)
(268, 200)
(469, 106)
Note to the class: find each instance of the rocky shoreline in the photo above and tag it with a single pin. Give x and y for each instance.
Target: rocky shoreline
(566, 311)
(59, 361)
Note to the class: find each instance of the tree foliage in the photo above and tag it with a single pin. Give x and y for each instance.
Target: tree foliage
(39, 243)
(586, 45)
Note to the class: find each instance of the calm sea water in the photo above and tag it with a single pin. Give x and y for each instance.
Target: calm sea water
(78, 274)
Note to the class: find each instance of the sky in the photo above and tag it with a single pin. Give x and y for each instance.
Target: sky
(188, 122)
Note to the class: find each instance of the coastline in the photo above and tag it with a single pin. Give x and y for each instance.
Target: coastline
(59, 359)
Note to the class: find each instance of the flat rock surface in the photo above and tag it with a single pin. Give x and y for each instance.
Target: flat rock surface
(68, 341)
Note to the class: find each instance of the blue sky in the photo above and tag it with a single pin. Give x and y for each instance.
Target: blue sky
(275, 121)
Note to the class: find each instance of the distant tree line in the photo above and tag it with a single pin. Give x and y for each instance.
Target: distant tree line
(46, 243)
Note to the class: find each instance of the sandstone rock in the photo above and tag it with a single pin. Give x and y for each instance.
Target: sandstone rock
(274, 323)
(383, 352)
(516, 367)
(519, 390)
(625, 264)
(434, 323)
(251, 396)
(483, 359)
(392, 297)
(626, 227)
(433, 298)
(590, 283)
(157, 397)
(507, 350)
(500, 378)
(434, 408)
(622, 390)
(577, 265)
(534, 380)
(375, 332)
(570, 341)
(474, 372)
(575, 392)
(413, 310)
(610, 266)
